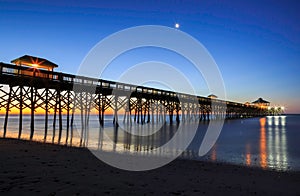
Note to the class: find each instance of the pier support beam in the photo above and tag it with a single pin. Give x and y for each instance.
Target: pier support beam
(68, 115)
(20, 112)
(54, 119)
(46, 113)
(59, 116)
(7, 111)
(32, 100)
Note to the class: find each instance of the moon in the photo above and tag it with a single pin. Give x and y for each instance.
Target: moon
(177, 25)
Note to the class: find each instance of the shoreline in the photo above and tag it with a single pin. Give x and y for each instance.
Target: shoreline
(30, 167)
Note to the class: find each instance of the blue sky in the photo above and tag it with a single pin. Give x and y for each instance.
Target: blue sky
(256, 44)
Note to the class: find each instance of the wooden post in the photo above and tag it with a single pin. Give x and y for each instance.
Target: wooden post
(177, 113)
(164, 113)
(7, 111)
(130, 108)
(21, 112)
(87, 117)
(103, 110)
(148, 114)
(32, 100)
(125, 114)
(188, 112)
(59, 116)
(138, 111)
(152, 112)
(116, 111)
(54, 119)
(72, 118)
(160, 112)
(157, 112)
(82, 122)
(182, 112)
(46, 114)
(68, 116)
(99, 110)
(145, 112)
(100, 122)
(171, 108)
(135, 111)
(201, 112)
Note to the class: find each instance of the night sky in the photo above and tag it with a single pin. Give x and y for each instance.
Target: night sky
(256, 44)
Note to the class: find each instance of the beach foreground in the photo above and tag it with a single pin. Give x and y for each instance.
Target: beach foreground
(47, 169)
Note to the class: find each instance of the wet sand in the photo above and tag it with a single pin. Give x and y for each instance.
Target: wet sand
(47, 169)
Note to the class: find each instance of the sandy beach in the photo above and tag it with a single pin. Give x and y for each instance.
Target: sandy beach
(46, 169)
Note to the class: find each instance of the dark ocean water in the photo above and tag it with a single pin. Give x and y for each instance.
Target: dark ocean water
(270, 142)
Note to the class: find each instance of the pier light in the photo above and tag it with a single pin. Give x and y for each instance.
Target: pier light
(35, 65)
(282, 107)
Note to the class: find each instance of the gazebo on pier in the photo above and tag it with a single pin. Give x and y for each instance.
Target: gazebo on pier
(212, 96)
(34, 62)
(260, 102)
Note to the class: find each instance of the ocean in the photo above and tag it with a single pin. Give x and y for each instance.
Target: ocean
(270, 142)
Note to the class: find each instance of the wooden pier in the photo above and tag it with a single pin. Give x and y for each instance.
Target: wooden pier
(34, 89)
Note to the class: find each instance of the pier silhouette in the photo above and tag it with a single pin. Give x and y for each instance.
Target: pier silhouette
(33, 88)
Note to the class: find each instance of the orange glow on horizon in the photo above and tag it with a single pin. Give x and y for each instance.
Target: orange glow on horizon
(40, 111)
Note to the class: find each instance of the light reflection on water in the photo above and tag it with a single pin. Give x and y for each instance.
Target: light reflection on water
(268, 142)
(265, 142)
(248, 154)
(277, 146)
(263, 151)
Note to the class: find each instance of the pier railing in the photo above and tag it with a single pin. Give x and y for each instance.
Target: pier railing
(13, 71)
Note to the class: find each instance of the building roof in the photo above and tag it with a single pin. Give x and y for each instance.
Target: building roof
(260, 100)
(212, 96)
(34, 62)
